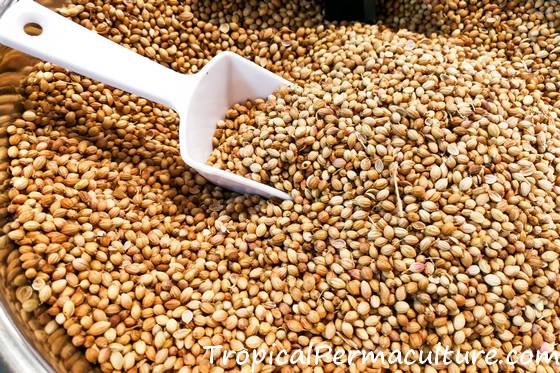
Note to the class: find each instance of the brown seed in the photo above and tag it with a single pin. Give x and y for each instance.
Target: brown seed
(254, 342)
(99, 328)
(492, 280)
(219, 315)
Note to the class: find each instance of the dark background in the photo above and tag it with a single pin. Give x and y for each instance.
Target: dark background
(351, 10)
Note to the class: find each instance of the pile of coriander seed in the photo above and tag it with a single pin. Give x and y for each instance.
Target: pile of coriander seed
(423, 166)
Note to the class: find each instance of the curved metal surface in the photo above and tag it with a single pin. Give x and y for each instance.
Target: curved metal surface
(16, 353)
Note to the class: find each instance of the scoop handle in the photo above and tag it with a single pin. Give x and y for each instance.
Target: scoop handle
(80, 50)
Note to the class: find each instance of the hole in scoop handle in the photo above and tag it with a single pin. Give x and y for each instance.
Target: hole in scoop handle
(80, 50)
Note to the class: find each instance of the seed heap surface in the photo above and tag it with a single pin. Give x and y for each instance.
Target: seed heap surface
(423, 171)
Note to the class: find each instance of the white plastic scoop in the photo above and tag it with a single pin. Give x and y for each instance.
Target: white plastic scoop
(201, 99)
